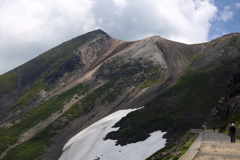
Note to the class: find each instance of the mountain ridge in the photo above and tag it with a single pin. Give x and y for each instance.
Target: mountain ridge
(85, 79)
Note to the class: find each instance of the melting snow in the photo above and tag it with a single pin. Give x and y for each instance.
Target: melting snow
(89, 144)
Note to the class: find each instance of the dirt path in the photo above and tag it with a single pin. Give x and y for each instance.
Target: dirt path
(213, 146)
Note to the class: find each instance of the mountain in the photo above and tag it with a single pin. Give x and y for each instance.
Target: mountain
(46, 101)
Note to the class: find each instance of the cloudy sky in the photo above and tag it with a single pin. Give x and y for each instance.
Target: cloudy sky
(31, 27)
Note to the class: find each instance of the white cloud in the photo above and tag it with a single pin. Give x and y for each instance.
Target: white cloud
(32, 20)
(190, 20)
(187, 21)
(42, 24)
(237, 5)
(226, 14)
(120, 5)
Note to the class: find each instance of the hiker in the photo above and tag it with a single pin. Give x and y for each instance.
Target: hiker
(214, 127)
(203, 126)
(232, 131)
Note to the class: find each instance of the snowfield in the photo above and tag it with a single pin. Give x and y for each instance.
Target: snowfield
(89, 144)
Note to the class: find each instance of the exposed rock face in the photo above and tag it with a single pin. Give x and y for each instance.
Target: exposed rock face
(228, 105)
(73, 85)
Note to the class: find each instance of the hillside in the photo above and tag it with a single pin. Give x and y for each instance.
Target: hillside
(188, 102)
(46, 101)
(226, 111)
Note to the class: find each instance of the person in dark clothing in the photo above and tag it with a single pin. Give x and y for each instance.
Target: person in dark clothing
(214, 127)
(232, 131)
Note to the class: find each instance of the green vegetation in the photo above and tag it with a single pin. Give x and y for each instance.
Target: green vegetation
(32, 148)
(87, 102)
(43, 111)
(62, 52)
(234, 119)
(232, 62)
(151, 81)
(52, 59)
(91, 98)
(145, 72)
(7, 82)
(159, 152)
(194, 58)
(30, 94)
(189, 53)
(35, 146)
(191, 96)
(10, 136)
(153, 75)
(178, 149)
(42, 139)
(233, 42)
(73, 112)
(58, 58)
(112, 96)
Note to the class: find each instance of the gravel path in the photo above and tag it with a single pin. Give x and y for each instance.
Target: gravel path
(213, 146)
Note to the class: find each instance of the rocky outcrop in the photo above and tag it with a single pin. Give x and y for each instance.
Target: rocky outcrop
(228, 105)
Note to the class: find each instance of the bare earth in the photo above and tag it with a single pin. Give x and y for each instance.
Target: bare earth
(213, 146)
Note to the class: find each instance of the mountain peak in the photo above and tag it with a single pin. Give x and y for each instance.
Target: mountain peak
(100, 31)
(97, 32)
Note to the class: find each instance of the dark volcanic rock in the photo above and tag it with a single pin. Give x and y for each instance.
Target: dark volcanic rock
(228, 105)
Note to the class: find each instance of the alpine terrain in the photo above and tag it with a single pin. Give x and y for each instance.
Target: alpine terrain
(51, 98)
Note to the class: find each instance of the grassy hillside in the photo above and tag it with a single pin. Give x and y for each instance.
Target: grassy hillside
(7, 83)
(10, 135)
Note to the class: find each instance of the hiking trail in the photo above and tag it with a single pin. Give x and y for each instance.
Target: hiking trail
(211, 145)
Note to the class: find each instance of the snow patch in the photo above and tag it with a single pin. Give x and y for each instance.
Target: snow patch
(89, 144)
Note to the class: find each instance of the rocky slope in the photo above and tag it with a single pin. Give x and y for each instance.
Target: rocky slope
(227, 110)
(49, 99)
